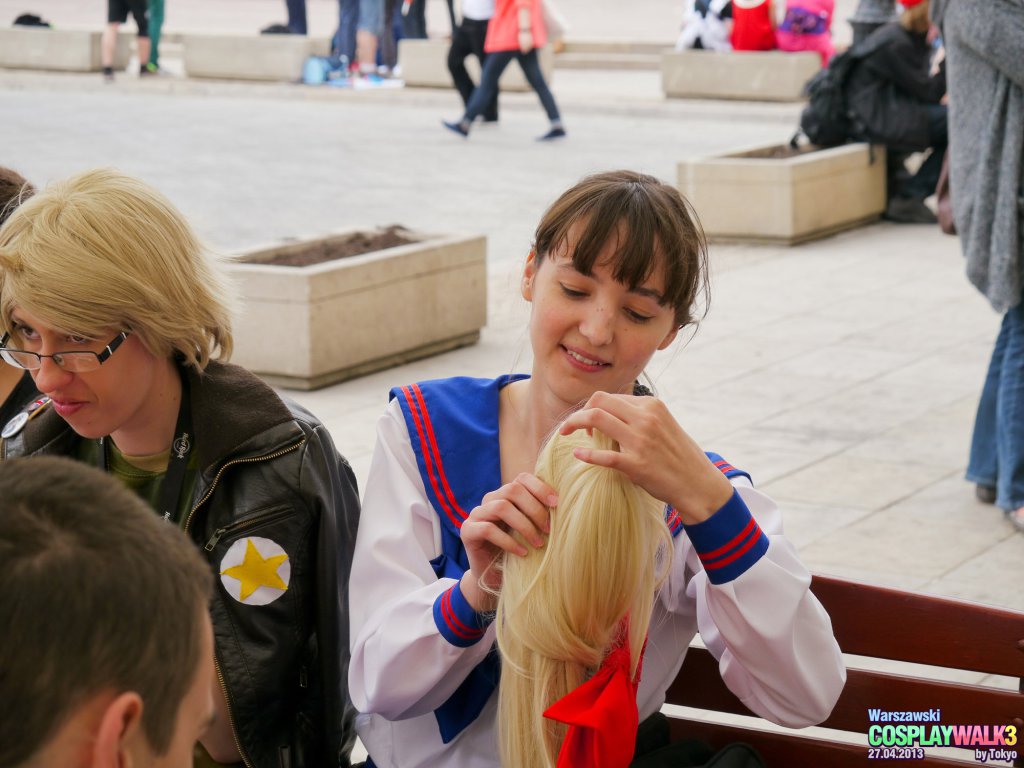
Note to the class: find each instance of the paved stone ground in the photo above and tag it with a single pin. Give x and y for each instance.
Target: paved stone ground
(842, 374)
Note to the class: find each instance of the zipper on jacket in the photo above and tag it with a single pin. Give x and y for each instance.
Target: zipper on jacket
(222, 470)
(188, 522)
(243, 524)
(231, 715)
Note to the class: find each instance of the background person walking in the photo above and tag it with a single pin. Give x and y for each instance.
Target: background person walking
(515, 31)
(469, 38)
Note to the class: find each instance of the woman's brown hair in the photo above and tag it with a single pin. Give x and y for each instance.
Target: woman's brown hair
(652, 225)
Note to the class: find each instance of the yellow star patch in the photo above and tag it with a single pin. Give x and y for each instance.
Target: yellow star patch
(256, 571)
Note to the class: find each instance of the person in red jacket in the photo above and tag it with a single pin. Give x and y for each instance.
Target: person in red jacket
(515, 31)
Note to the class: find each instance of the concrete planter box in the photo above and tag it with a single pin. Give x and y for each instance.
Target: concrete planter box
(66, 50)
(743, 196)
(424, 64)
(250, 57)
(307, 327)
(746, 75)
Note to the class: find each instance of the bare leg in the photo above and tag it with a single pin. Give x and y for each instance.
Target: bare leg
(366, 50)
(143, 44)
(109, 42)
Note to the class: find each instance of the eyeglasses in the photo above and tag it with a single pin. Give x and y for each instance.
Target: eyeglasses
(74, 362)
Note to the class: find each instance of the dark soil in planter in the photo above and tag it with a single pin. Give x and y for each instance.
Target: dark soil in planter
(357, 243)
(779, 152)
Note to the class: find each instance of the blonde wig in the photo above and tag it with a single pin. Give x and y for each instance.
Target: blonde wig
(104, 251)
(562, 608)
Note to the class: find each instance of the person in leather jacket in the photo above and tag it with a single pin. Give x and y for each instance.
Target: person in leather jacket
(108, 299)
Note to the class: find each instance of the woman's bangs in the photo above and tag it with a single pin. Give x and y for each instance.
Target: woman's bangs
(632, 230)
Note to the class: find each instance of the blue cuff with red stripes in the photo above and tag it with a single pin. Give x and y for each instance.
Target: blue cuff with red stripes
(729, 542)
(673, 521)
(456, 619)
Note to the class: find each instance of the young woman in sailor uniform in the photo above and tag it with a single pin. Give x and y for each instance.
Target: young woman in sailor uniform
(617, 268)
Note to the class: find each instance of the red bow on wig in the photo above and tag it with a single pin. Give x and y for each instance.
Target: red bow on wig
(601, 715)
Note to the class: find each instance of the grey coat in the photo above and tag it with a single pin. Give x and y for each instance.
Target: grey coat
(985, 53)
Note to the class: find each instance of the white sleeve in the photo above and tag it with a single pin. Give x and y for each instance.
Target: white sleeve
(772, 637)
(402, 665)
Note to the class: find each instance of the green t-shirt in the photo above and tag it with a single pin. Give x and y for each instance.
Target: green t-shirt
(143, 474)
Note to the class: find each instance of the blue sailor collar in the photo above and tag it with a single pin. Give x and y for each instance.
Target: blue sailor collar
(453, 428)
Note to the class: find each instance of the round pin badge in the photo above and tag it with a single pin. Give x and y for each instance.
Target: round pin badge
(15, 425)
(255, 571)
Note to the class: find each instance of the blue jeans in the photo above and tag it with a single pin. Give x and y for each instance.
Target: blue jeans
(296, 16)
(494, 65)
(414, 23)
(926, 179)
(371, 17)
(345, 37)
(997, 447)
(391, 34)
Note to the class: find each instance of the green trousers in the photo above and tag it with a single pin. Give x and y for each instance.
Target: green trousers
(156, 23)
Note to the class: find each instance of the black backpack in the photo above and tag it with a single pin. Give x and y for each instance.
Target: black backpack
(825, 121)
(30, 20)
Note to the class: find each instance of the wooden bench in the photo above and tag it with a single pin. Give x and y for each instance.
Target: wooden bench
(884, 624)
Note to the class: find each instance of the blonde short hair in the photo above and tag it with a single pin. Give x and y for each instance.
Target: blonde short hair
(561, 608)
(102, 250)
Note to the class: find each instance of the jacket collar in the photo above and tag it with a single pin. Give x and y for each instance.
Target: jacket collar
(230, 407)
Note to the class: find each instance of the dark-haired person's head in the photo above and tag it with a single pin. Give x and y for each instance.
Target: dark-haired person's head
(640, 226)
(106, 652)
(14, 189)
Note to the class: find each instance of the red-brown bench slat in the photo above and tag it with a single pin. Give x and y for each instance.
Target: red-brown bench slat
(894, 624)
(699, 685)
(881, 623)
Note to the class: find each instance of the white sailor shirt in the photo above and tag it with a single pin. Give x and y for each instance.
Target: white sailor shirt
(417, 645)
